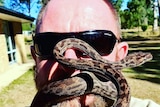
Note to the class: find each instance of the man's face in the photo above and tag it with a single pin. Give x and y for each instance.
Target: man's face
(74, 16)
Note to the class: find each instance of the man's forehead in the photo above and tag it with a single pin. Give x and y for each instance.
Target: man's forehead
(76, 6)
(78, 15)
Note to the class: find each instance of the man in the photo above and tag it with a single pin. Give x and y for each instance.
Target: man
(76, 16)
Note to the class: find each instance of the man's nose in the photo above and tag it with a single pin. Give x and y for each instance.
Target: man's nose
(70, 53)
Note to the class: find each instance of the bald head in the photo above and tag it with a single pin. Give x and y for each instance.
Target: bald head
(78, 15)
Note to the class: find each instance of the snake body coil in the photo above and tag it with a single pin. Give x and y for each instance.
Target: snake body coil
(99, 67)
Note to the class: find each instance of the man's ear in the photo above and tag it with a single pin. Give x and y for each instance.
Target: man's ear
(122, 50)
(33, 52)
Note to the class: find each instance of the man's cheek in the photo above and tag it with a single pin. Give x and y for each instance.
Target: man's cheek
(41, 78)
(43, 69)
(54, 67)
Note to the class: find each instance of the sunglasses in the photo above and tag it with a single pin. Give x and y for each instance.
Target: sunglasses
(102, 41)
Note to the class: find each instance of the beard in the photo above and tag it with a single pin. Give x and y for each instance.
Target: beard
(97, 101)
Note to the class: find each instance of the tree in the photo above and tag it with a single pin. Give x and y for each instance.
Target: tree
(159, 11)
(159, 7)
(136, 8)
(139, 13)
(117, 4)
(126, 19)
(1, 2)
(28, 4)
(155, 24)
(24, 6)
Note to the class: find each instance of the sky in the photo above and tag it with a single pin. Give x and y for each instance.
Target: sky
(124, 5)
(34, 10)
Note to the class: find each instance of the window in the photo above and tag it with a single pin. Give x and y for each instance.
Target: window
(8, 30)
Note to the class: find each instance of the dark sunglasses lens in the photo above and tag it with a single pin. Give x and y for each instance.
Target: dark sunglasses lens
(102, 41)
(103, 44)
(44, 44)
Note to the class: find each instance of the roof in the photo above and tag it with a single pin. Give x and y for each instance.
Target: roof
(10, 15)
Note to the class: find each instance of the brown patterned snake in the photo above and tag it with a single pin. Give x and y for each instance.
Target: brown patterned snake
(88, 81)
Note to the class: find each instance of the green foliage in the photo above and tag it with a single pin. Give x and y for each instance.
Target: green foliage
(136, 7)
(144, 27)
(139, 13)
(24, 6)
(43, 1)
(117, 4)
(28, 26)
(1, 2)
(124, 16)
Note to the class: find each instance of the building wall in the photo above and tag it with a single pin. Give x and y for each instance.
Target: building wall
(21, 56)
(4, 63)
(20, 43)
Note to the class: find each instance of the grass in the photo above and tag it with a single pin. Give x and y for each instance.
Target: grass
(138, 35)
(143, 80)
(19, 93)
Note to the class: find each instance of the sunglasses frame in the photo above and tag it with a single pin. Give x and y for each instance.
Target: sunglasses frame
(39, 40)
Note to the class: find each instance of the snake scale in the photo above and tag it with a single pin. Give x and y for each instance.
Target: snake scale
(86, 82)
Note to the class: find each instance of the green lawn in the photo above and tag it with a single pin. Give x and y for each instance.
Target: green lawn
(20, 92)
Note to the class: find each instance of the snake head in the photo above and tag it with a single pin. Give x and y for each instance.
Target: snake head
(137, 58)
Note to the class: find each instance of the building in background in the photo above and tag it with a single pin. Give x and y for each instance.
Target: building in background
(12, 45)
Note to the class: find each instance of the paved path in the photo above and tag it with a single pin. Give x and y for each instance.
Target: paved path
(14, 71)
